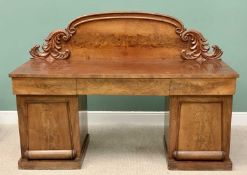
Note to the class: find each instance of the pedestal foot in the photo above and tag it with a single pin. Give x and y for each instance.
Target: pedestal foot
(55, 164)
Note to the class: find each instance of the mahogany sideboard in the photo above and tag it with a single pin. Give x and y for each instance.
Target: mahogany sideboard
(125, 54)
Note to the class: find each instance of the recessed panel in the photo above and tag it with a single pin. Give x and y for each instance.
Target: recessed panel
(200, 127)
(48, 126)
(128, 39)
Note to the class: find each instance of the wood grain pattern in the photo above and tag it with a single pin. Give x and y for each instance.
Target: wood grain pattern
(83, 120)
(167, 120)
(108, 40)
(200, 165)
(200, 127)
(124, 54)
(50, 154)
(123, 86)
(199, 155)
(132, 68)
(226, 124)
(199, 123)
(25, 164)
(195, 164)
(109, 30)
(203, 87)
(50, 123)
(55, 164)
(44, 86)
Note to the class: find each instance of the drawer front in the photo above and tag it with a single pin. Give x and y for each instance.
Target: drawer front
(44, 86)
(123, 86)
(203, 86)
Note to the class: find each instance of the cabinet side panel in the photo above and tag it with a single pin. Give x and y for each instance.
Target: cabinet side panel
(83, 121)
(166, 120)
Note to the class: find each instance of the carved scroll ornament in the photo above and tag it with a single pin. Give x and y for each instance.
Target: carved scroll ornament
(52, 48)
(198, 48)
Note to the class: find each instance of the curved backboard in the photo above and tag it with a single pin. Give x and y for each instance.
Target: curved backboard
(125, 36)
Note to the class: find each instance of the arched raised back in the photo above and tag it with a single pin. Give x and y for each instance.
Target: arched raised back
(125, 36)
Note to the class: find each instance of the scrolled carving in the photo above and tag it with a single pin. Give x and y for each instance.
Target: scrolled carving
(198, 47)
(52, 48)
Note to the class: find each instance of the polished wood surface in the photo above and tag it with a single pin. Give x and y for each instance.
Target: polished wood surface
(44, 86)
(176, 68)
(199, 155)
(202, 86)
(198, 123)
(126, 34)
(125, 54)
(124, 86)
(50, 154)
(50, 127)
(56, 164)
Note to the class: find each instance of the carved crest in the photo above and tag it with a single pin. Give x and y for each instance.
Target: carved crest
(52, 48)
(198, 49)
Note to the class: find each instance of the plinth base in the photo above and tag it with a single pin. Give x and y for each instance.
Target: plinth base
(55, 164)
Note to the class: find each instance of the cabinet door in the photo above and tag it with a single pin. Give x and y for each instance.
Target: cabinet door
(200, 127)
(48, 126)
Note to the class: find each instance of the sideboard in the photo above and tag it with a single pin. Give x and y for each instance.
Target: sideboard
(125, 54)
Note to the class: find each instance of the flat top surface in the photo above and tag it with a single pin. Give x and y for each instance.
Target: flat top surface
(167, 68)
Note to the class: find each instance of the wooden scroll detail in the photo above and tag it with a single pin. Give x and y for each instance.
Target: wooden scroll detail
(52, 48)
(198, 48)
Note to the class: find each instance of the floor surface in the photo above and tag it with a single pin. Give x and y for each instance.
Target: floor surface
(120, 150)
